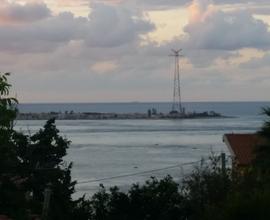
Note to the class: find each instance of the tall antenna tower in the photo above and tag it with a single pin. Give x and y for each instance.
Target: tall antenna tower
(177, 105)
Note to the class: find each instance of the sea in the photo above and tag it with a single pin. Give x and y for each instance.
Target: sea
(123, 152)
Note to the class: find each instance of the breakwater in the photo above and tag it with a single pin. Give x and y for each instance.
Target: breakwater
(116, 116)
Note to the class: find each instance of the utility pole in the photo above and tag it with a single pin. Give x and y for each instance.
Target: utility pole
(46, 203)
(223, 164)
(177, 104)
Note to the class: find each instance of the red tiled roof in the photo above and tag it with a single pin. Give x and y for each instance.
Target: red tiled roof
(242, 146)
(4, 217)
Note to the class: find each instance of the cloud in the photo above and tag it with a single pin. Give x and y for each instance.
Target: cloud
(108, 26)
(41, 36)
(209, 28)
(16, 13)
(260, 10)
(171, 4)
(257, 63)
(64, 3)
(101, 58)
(104, 67)
(113, 26)
(240, 1)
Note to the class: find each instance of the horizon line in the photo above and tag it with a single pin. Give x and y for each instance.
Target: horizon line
(143, 102)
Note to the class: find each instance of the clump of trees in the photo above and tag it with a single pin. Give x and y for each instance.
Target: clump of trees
(165, 198)
(30, 164)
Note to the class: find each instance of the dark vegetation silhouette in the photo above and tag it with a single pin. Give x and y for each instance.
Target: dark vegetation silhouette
(262, 160)
(29, 164)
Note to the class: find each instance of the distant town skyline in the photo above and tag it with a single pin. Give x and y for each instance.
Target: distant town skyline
(118, 50)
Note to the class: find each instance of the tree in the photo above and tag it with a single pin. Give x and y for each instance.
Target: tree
(29, 163)
(43, 157)
(154, 200)
(208, 185)
(12, 199)
(8, 111)
(265, 129)
(207, 188)
(262, 160)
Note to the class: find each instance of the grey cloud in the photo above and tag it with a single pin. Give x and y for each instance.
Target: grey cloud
(170, 4)
(240, 1)
(23, 13)
(257, 63)
(114, 27)
(41, 36)
(112, 34)
(260, 10)
(108, 26)
(199, 58)
(163, 4)
(228, 31)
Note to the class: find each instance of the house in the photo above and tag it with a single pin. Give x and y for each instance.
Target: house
(4, 217)
(242, 148)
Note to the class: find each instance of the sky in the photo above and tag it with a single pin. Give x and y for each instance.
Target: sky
(118, 50)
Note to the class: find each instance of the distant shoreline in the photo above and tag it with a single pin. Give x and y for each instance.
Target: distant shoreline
(228, 109)
(136, 102)
(115, 116)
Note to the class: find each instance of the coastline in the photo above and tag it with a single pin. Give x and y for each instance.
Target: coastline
(116, 116)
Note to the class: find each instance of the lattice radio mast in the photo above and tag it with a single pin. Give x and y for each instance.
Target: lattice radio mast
(177, 105)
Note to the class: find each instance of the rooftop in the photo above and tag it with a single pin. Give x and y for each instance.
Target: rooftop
(242, 146)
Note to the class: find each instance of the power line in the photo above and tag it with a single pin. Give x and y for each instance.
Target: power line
(138, 173)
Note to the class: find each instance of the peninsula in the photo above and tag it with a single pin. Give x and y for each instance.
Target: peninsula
(151, 115)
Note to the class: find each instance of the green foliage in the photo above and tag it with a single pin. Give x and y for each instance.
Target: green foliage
(29, 163)
(156, 199)
(7, 104)
(209, 193)
(247, 206)
(208, 185)
(8, 159)
(265, 129)
(41, 158)
(262, 160)
(206, 188)
(82, 209)
(11, 196)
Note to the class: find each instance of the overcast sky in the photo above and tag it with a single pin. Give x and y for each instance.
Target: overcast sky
(117, 50)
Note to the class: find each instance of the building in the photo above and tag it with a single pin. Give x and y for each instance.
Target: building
(4, 217)
(242, 148)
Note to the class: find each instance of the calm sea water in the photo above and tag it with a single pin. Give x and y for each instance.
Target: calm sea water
(110, 148)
